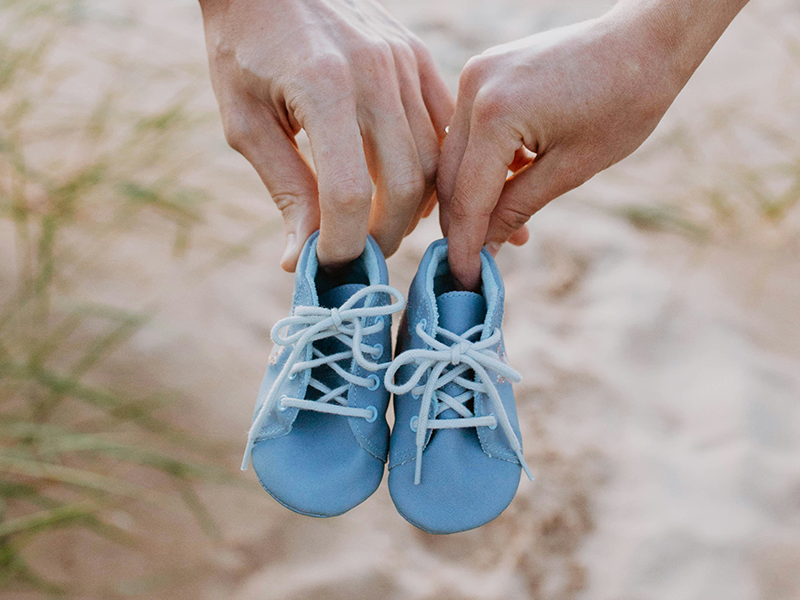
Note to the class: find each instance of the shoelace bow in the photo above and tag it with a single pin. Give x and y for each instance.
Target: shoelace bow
(463, 355)
(314, 323)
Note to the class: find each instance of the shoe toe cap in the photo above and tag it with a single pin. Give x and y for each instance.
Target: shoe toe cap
(461, 488)
(317, 471)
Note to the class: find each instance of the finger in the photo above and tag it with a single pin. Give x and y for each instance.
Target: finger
(453, 148)
(257, 135)
(395, 163)
(528, 191)
(520, 236)
(345, 190)
(422, 128)
(438, 99)
(479, 183)
(522, 158)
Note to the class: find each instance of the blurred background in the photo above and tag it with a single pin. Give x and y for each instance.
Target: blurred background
(654, 315)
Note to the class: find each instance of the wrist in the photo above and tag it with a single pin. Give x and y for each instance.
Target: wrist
(678, 33)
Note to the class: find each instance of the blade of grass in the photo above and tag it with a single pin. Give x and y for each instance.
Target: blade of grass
(36, 469)
(48, 519)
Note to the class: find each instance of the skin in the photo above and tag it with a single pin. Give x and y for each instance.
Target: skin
(367, 94)
(558, 107)
(554, 109)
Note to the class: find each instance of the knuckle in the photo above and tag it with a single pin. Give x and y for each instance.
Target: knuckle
(462, 210)
(475, 73)
(373, 54)
(418, 47)
(491, 103)
(328, 67)
(511, 218)
(349, 196)
(403, 52)
(408, 185)
(287, 200)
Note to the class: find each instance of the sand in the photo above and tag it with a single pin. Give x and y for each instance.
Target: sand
(659, 345)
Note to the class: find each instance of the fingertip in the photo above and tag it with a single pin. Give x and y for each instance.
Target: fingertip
(288, 265)
(290, 253)
(388, 245)
(520, 236)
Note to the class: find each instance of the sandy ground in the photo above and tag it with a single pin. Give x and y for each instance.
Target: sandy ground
(660, 404)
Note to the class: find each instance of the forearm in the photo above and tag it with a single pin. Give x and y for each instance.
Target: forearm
(213, 7)
(684, 31)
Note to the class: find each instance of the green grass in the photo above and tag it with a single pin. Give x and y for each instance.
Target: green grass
(63, 436)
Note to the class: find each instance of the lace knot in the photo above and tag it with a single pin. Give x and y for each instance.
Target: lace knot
(337, 318)
(456, 350)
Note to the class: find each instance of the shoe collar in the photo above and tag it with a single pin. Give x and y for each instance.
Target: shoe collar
(434, 263)
(305, 287)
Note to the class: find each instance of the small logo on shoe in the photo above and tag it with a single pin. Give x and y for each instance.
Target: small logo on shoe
(277, 350)
(504, 358)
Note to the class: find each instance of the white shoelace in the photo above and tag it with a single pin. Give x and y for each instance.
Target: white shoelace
(317, 323)
(464, 355)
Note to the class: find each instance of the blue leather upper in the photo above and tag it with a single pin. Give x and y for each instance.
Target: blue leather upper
(469, 475)
(315, 463)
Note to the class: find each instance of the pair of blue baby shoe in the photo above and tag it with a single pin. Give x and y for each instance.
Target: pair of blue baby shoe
(319, 439)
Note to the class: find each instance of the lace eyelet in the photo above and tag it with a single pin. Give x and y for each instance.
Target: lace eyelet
(281, 406)
(422, 323)
(413, 423)
(376, 384)
(292, 376)
(415, 396)
(495, 422)
(377, 350)
(374, 415)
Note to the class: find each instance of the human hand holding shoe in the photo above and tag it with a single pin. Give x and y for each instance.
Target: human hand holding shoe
(366, 92)
(580, 98)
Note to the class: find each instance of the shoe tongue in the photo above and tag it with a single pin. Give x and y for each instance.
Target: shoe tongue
(460, 311)
(337, 296)
(333, 298)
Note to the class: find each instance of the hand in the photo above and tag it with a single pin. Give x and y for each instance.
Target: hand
(366, 92)
(580, 99)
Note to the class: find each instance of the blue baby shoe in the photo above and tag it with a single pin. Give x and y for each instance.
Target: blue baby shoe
(319, 437)
(455, 452)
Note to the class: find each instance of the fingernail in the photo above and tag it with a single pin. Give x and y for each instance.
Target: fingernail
(289, 248)
(493, 248)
